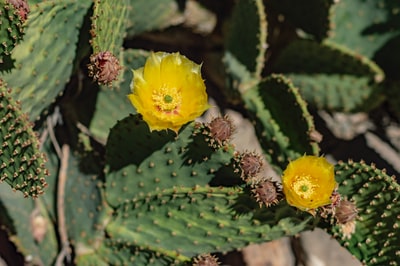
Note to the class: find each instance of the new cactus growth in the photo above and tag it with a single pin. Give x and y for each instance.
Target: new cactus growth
(106, 160)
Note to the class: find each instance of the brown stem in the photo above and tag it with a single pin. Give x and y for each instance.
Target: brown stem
(62, 229)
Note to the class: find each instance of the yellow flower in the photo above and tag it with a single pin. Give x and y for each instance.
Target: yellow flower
(168, 91)
(308, 182)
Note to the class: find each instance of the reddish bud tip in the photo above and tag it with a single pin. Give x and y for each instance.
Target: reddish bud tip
(104, 67)
(22, 7)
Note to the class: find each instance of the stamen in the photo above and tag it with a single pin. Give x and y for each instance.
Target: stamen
(167, 100)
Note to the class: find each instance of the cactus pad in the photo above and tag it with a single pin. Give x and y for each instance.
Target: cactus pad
(246, 42)
(317, 20)
(165, 159)
(330, 76)
(272, 105)
(108, 25)
(28, 226)
(376, 239)
(22, 165)
(158, 15)
(44, 60)
(175, 221)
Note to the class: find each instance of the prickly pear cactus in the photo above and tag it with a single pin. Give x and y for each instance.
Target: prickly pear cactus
(374, 236)
(22, 164)
(171, 188)
(92, 132)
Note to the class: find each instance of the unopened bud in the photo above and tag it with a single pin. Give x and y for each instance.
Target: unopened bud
(104, 67)
(221, 129)
(251, 164)
(266, 192)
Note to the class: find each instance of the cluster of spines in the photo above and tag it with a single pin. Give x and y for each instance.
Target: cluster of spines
(205, 260)
(220, 131)
(22, 164)
(13, 16)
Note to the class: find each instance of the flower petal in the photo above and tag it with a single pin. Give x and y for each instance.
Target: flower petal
(168, 91)
(308, 182)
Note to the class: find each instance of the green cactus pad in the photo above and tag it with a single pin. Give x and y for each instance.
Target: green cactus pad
(83, 205)
(112, 105)
(306, 56)
(147, 15)
(246, 42)
(108, 25)
(158, 159)
(311, 16)
(376, 240)
(282, 121)
(330, 76)
(114, 253)
(22, 165)
(90, 259)
(11, 28)
(44, 60)
(186, 221)
(365, 25)
(20, 220)
(334, 92)
(370, 28)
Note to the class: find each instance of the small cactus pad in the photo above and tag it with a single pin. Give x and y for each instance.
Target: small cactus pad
(282, 121)
(374, 236)
(22, 166)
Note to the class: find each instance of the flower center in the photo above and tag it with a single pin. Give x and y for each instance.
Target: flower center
(304, 186)
(167, 100)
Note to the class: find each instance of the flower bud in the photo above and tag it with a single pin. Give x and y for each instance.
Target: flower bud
(221, 129)
(251, 164)
(104, 67)
(266, 192)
